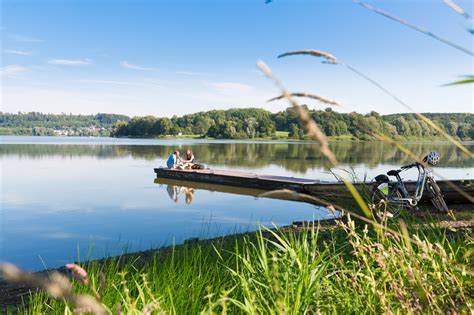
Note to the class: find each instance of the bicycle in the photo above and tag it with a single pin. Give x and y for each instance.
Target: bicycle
(393, 196)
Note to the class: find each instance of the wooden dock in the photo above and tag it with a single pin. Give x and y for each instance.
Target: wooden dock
(321, 189)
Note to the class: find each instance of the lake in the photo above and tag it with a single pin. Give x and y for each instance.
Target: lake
(90, 197)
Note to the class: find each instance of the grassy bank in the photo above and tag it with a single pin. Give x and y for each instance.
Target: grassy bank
(354, 268)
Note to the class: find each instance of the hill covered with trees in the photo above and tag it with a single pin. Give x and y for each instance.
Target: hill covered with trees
(39, 124)
(251, 123)
(240, 123)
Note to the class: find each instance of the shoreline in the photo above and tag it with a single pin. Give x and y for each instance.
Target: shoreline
(198, 139)
(13, 295)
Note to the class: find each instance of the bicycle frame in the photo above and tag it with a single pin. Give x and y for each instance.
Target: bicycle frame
(406, 199)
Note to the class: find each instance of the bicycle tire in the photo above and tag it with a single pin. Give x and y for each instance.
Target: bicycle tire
(436, 196)
(377, 198)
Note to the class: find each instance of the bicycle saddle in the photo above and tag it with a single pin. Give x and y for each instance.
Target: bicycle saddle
(393, 172)
(382, 178)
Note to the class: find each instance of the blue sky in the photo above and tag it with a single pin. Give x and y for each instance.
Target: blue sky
(174, 57)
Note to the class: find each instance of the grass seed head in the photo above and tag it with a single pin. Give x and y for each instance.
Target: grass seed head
(148, 309)
(78, 273)
(308, 95)
(82, 310)
(330, 59)
(58, 286)
(119, 309)
(101, 281)
(87, 302)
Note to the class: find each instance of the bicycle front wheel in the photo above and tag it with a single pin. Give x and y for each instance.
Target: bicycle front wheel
(435, 194)
(382, 203)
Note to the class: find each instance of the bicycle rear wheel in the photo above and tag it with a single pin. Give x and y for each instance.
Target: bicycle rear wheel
(436, 196)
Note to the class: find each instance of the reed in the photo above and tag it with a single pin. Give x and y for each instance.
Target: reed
(308, 95)
(312, 128)
(459, 10)
(317, 53)
(415, 27)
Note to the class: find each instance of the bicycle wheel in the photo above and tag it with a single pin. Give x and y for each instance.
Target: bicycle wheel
(435, 194)
(380, 197)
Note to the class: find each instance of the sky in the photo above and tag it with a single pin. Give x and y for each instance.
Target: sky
(167, 58)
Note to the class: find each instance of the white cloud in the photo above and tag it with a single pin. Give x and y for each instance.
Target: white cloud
(191, 73)
(230, 88)
(70, 62)
(54, 99)
(17, 52)
(107, 82)
(12, 70)
(145, 84)
(87, 100)
(127, 65)
(26, 39)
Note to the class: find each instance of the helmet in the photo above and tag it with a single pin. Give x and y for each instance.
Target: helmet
(432, 158)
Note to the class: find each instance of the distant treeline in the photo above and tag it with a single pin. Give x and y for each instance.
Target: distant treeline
(243, 123)
(251, 123)
(39, 124)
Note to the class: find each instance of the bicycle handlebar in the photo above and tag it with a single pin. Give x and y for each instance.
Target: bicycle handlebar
(410, 166)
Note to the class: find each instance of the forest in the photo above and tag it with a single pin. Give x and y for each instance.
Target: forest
(240, 123)
(39, 124)
(254, 123)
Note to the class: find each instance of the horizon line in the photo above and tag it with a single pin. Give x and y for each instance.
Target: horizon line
(231, 108)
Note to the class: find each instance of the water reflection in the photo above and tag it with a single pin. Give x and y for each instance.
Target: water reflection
(176, 187)
(295, 157)
(175, 191)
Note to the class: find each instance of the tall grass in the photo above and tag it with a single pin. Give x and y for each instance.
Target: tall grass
(352, 269)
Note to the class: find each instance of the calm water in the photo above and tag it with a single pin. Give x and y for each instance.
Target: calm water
(98, 196)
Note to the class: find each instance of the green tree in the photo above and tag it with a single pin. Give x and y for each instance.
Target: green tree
(403, 128)
(162, 126)
(294, 131)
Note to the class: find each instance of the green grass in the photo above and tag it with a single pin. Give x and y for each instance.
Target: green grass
(281, 134)
(341, 137)
(181, 137)
(353, 269)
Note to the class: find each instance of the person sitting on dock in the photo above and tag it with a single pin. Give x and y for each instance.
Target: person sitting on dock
(174, 162)
(189, 161)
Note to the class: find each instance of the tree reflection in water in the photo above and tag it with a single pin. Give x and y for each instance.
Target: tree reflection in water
(295, 157)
